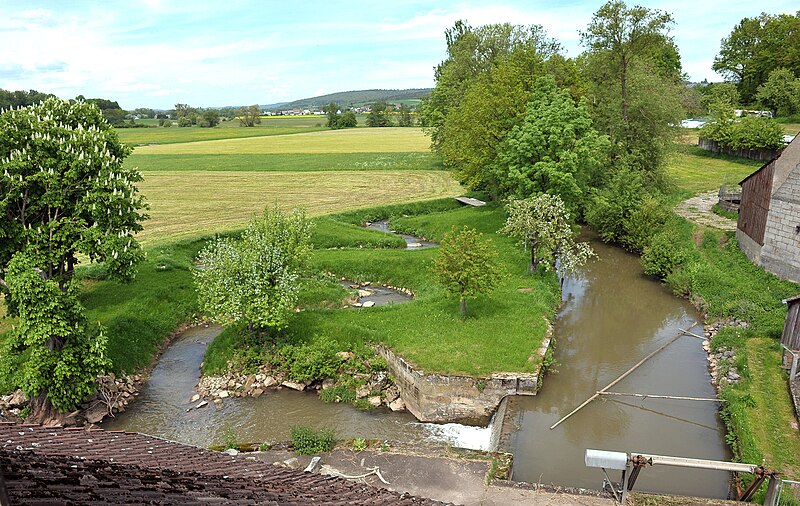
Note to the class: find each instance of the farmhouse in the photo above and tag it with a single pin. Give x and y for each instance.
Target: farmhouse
(769, 217)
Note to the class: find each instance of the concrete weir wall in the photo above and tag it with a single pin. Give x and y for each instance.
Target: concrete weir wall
(442, 398)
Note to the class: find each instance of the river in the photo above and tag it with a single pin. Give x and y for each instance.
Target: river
(612, 317)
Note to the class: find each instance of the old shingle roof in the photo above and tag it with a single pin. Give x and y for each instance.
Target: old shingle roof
(74, 465)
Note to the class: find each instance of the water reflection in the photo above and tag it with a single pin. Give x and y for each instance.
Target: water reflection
(611, 318)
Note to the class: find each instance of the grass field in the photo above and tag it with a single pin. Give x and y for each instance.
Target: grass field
(176, 135)
(191, 203)
(287, 162)
(697, 170)
(355, 140)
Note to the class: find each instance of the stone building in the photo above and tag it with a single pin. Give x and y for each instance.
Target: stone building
(768, 230)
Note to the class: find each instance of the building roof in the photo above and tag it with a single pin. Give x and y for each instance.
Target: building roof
(769, 162)
(43, 464)
(790, 300)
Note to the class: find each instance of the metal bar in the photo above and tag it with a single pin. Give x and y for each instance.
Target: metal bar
(624, 375)
(753, 487)
(676, 397)
(717, 465)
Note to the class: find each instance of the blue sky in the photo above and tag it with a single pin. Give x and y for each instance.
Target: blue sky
(155, 53)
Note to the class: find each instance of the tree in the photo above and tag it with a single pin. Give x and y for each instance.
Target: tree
(554, 150)
(209, 118)
(254, 278)
(481, 92)
(635, 83)
(405, 119)
(64, 192)
(250, 116)
(337, 119)
(378, 116)
(466, 265)
(756, 47)
(542, 223)
(21, 98)
(780, 93)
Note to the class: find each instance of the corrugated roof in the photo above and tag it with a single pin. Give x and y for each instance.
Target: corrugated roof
(43, 463)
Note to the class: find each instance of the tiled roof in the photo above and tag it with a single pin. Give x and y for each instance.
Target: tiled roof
(89, 466)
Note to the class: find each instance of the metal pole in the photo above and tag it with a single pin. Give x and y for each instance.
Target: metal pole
(773, 491)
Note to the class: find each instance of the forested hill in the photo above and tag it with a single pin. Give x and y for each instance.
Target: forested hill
(346, 98)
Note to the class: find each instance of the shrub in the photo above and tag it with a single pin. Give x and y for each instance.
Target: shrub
(312, 361)
(644, 221)
(307, 441)
(664, 254)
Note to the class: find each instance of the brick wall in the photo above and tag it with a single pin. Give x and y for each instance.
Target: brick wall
(781, 252)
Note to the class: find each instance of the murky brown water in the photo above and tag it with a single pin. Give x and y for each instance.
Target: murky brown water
(613, 317)
(161, 410)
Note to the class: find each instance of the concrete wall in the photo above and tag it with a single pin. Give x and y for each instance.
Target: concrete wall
(750, 248)
(464, 399)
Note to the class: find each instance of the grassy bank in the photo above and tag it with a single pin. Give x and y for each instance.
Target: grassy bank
(175, 134)
(720, 279)
(427, 331)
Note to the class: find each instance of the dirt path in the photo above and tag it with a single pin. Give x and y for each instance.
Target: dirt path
(698, 210)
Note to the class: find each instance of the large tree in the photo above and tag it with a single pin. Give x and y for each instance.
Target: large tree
(64, 194)
(555, 149)
(634, 72)
(756, 47)
(780, 93)
(481, 92)
(378, 115)
(250, 116)
(253, 279)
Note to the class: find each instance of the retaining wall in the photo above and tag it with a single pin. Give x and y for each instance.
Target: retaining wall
(443, 398)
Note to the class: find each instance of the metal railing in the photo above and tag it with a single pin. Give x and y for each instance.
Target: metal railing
(788, 494)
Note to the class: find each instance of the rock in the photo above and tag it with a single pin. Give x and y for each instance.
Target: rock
(223, 394)
(96, 413)
(202, 404)
(368, 303)
(728, 354)
(292, 463)
(328, 383)
(232, 452)
(397, 405)
(17, 399)
(356, 304)
(269, 381)
(734, 376)
(248, 383)
(218, 403)
(379, 377)
(364, 293)
(195, 398)
(375, 400)
(362, 391)
(257, 392)
(345, 355)
(392, 393)
(366, 283)
(294, 386)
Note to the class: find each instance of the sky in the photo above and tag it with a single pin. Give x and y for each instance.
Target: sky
(156, 53)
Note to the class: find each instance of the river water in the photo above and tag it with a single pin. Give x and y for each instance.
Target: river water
(611, 318)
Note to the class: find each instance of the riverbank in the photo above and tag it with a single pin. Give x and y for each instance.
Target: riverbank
(719, 279)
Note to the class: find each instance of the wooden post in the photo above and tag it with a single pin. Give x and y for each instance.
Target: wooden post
(673, 397)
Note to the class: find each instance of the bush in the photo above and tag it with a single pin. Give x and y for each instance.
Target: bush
(307, 441)
(664, 254)
(312, 361)
(644, 221)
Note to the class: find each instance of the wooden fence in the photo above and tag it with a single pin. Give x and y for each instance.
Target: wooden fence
(752, 154)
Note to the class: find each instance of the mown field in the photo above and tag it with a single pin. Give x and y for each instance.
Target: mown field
(176, 135)
(190, 203)
(353, 140)
(696, 170)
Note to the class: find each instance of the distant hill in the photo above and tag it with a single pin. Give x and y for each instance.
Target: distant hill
(347, 98)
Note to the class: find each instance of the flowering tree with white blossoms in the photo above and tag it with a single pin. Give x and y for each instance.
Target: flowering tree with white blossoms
(254, 278)
(542, 224)
(64, 193)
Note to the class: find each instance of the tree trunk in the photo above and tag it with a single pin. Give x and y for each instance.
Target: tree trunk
(43, 412)
(463, 306)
